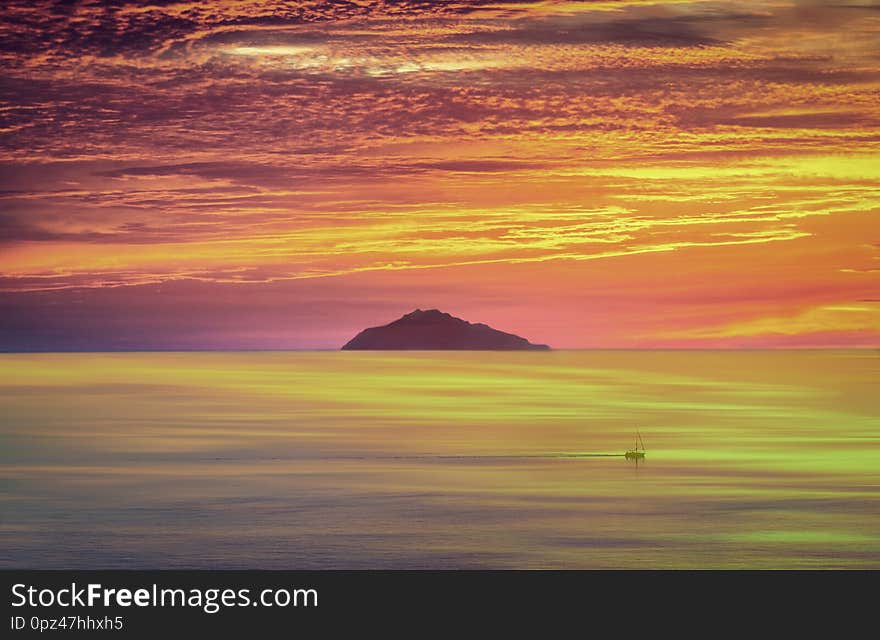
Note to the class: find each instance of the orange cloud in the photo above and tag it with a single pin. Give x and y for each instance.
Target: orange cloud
(707, 170)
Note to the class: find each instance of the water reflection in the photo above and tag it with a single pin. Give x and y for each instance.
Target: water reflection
(505, 460)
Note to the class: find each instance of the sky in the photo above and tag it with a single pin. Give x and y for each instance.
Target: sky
(280, 175)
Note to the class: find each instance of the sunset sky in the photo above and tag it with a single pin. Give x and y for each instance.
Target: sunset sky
(610, 174)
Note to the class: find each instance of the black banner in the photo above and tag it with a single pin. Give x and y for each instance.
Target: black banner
(181, 602)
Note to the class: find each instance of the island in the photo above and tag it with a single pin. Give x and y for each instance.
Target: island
(434, 330)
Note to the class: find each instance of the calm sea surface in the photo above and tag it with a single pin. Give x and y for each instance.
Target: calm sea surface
(309, 460)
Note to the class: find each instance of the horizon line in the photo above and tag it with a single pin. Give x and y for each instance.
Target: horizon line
(339, 349)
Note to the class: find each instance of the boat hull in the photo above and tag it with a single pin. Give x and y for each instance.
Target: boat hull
(634, 455)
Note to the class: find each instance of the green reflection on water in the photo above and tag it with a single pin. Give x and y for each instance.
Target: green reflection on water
(346, 459)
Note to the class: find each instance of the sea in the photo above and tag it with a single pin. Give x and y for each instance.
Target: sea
(440, 460)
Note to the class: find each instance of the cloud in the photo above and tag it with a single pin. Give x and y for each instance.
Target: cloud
(255, 143)
(638, 32)
(826, 120)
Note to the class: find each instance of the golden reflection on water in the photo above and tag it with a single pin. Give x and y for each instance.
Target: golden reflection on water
(402, 460)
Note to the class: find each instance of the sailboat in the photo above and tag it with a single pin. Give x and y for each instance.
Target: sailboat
(638, 451)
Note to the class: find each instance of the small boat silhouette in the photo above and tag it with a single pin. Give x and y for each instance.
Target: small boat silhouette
(638, 451)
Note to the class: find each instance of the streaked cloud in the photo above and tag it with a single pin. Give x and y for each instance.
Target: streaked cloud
(252, 144)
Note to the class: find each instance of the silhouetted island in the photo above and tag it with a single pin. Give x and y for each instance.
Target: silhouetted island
(434, 330)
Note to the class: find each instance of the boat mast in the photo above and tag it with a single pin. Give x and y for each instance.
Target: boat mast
(640, 439)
